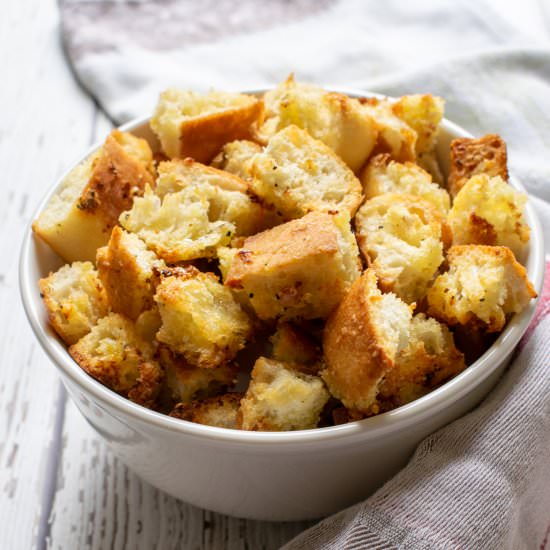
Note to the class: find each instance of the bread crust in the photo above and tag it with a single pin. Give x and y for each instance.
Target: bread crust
(219, 411)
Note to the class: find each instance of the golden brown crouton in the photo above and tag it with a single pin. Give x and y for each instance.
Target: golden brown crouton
(335, 119)
(299, 269)
(220, 410)
(79, 217)
(200, 319)
(469, 157)
(395, 136)
(429, 359)
(184, 383)
(489, 211)
(75, 300)
(189, 124)
(383, 175)
(298, 174)
(125, 268)
(281, 398)
(422, 113)
(361, 340)
(484, 284)
(148, 324)
(115, 355)
(235, 158)
(402, 237)
(292, 345)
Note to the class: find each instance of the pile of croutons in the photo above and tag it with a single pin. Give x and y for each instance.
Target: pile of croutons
(286, 262)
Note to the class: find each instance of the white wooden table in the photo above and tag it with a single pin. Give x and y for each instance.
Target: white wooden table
(60, 486)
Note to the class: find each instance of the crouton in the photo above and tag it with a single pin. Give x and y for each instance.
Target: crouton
(301, 268)
(429, 359)
(79, 217)
(383, 175)
(184, 383)
(200, 319)
(470, 157)
(484, 284)
(281, 398)
(189, 124)
(219, 411)
(125, 268)
(75, 300)
(298, 174)
(422, 113)
(335, 119)
(116, 356)
(148, 324)
(395, 136)
(292, 345)
(489, 211)
(402, 237)
(361, 340)
(235, 158)
(430, 163)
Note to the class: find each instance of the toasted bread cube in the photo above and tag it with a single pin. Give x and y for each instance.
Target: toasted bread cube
(148, 324)
(200, 319)
(402, 237)
(79, 217)
(484, 284)
(301, 268)
(125, 268)
(422, 113)
(190, 124)
(489, 211)
(395, 136)
(292, 345)
(470, 157)
(114, 354)
(383, 175)
(335, 119)
(75, 300)
(236, 156)
(361, 340)
(219, 411)
(298, 174)
(429, 359)
(281, 398)
(184, 383)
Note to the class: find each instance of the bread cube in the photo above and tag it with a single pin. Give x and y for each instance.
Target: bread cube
(361, 341)
(184, 383)
(190, 124)
(281, 398)
(219, 411)
(429, 360)
(116, 356)
(484, 284)
(236, 156)
(470, 157)
(430, 163)
(395, 136)
(125, 268)
(148, 324)
(79, 217)
(298, 174)
(335, 119)
(489, 211)
(301, 268)
(383, 175)
(292, 345)
(423, 113)
(200, 319)
(75, 300)
(402, 237)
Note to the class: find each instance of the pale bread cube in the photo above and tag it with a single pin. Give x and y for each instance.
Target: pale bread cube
(361, 341)
(483, 286)
(75, 300)
(300, 269)
(190, 124)
(236, 156)
(403, 238)
(293, 345)
(281, 398)
(80, 215)
(219, 411)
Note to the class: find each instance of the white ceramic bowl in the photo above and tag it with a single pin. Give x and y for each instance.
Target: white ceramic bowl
(270, 476)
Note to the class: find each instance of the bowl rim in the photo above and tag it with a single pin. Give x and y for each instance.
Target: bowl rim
(369, 428)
